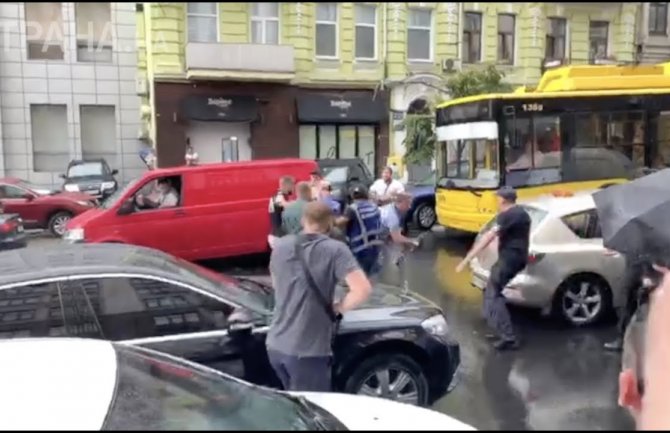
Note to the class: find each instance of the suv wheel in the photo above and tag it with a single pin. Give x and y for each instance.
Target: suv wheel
(58, 222)
(583, 299)
(392, 376)
(424, 216)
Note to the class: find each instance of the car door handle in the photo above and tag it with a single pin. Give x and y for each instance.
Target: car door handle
(611, 253)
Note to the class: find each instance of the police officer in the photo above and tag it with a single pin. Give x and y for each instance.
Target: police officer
(362, 220)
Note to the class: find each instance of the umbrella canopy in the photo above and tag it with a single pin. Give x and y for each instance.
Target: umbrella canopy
(635, 216)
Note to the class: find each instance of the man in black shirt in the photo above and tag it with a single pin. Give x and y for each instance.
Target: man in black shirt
(512, 229)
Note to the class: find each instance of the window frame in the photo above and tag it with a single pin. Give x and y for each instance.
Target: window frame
(99, 47)
(512, 59)
(654, 31)
(335, 23)
(470, 34)
(23, 191)
(218, 25)
(60, 45)
(592, 230)
(374, 33)
(565, 37)
(263, 21)
(607, 39)
(431, 36)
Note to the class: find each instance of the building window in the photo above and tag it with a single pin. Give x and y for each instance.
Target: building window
(506, 39)
(51, 143)
(598, 34)
(339, 141)
(98, 132)
(419, 38)
(94, 32)
(556, 37)
(366, 31)
(326, 29)
(44, 31)
(472, 37)
(203, 22)
(658, 19)
(265, 23)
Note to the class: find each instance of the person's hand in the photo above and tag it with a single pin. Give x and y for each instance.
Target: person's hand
(337, 308)
(140, 199)
(461, 266)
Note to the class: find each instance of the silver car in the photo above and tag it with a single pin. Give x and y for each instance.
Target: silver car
(569, 271)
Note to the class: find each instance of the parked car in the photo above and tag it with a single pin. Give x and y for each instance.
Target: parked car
(99, 385)
(40, 210)
(12, 234)
(422, 212)
(569, 270)
(396, 346)
(344, 174)
(91, 176)
(222, 210)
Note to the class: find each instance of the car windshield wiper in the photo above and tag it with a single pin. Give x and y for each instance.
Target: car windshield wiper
(307, 412)
(255, 283)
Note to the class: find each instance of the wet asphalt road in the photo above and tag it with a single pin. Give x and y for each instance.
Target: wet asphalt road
(560, 379)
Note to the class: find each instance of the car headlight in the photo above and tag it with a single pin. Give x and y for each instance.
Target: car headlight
(84, 203)
(107, 185)
(71, 187)
(74, 235)
(436, 325)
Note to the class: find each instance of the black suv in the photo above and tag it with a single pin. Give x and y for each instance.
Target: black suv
(91, 176)
(397, 346)
(344, 174)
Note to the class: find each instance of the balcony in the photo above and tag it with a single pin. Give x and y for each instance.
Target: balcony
(240, 61)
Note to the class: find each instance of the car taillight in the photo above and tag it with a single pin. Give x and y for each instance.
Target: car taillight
(534, 258)
(8, 227)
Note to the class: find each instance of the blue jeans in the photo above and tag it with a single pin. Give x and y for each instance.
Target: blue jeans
(296, 373)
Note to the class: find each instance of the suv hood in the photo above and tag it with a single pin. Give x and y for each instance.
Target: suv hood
(359, 412)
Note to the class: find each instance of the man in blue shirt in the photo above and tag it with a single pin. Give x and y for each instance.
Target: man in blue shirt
(326, 197)
(392, 216)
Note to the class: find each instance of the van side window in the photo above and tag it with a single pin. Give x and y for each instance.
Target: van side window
(161, 193)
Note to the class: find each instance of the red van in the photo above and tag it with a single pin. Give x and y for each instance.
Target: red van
(221, 209)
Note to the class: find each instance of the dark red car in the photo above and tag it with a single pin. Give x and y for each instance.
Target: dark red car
(40, 208)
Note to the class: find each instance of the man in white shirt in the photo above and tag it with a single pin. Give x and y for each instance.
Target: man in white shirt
(383, 190)
(165, 196)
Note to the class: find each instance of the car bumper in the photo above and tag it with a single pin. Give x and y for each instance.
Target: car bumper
(444, 360)
(524, 290)
(13, 242)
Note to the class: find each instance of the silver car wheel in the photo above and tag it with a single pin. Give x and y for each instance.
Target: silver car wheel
(393, 384)
(60, 224)
(582, 301)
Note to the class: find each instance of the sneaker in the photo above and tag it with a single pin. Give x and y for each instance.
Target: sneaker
(507, 345)
(614, 346)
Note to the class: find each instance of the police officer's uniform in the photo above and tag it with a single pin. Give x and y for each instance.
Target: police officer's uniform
(364, 233)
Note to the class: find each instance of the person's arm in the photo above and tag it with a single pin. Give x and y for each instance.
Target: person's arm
(171, 199)
(342, 221)
(399, 238)
(483, 242)
(655, 415)
(347, 269)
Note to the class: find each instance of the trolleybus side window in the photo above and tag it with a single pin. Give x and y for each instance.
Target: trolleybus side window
(533, 150)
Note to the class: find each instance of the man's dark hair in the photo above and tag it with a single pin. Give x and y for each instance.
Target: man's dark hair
(507, 193)
(359, 192)
(164, 180)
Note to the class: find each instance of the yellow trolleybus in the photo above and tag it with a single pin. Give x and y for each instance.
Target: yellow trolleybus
(583, 127)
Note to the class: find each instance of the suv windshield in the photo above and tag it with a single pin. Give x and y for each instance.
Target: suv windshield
(158, 392)
(86, 169)
(116, 195)
(335, 174)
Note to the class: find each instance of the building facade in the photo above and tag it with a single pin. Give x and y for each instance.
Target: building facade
(68, 74)
(252, 80)
(653, 33)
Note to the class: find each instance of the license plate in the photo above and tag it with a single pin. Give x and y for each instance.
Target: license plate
(20, 229)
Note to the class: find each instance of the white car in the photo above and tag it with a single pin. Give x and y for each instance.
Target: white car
(77, 384)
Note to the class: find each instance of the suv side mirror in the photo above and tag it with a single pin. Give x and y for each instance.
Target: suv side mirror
(28, 196)
(115, 172)
(62, 176)
(127, 207)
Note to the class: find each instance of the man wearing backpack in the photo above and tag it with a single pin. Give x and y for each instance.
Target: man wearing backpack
(305, 270)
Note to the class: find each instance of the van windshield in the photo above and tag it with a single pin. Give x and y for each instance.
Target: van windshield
(111, 201)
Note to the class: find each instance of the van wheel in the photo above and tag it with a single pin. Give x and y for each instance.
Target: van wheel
(392, 376)
(58, 223)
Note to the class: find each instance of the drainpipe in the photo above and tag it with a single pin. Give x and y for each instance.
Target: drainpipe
(459, 32)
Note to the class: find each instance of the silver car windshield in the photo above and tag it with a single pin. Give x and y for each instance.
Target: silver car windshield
(158, 392)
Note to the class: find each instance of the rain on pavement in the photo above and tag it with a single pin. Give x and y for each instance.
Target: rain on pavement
(561, 379)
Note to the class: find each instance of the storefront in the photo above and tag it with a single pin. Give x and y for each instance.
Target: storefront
(224, 121)
(343, 124)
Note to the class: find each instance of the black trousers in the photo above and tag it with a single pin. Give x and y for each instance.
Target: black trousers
(627, 311)
(494, 307)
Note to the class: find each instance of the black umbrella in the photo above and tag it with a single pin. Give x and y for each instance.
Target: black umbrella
(635, 216)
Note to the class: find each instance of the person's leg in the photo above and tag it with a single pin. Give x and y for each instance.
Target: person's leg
(310, 374)
(624, 314)
(278, 363)
(498, 315)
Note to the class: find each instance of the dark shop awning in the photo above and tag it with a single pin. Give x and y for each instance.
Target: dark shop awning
(221, 108)
(341, 107)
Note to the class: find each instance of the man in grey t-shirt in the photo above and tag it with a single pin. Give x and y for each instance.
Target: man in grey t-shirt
(299, 340)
